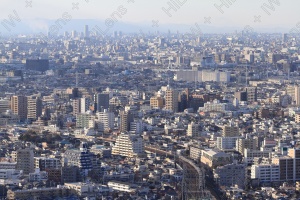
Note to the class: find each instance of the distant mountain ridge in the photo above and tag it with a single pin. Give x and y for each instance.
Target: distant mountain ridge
(43, 25)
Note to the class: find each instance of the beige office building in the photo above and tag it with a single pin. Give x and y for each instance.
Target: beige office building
(213, 158)
(34, 107)
(290, 90)
(19, 106)
(156, 102)
(171, 100)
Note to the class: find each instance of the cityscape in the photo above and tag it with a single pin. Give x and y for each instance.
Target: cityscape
(120, 110)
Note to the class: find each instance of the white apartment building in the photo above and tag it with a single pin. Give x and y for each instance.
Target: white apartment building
(188, 75)
(216, 76)
(128, 145)
(249, 155)
(84, 104)
(215, 106)
(195, 153)
(224, 143)
(265, 172)
(120, 186)
(80, 188)
(106, 120)
(193, 130)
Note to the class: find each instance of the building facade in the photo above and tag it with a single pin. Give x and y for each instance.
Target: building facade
(128, 145)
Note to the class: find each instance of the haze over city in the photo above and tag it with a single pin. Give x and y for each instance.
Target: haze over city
(149, 100)
(36, 16)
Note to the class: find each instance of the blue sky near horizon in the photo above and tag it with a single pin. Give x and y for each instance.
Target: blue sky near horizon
(239, 14)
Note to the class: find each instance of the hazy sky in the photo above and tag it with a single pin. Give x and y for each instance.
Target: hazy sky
(239, 14)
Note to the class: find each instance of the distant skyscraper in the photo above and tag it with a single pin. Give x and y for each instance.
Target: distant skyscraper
(66, 34)
(115, 34)
(74, 34)
(284, 37)
(198, 40)
(86, 31)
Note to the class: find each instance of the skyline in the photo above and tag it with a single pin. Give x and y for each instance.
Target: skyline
(215, 16)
